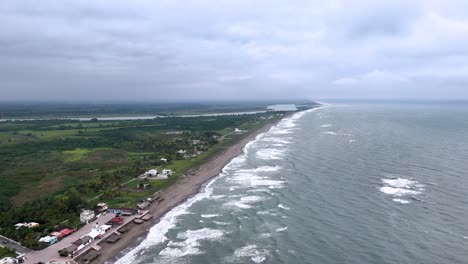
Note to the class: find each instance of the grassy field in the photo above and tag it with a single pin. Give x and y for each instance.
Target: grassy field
(41, 158)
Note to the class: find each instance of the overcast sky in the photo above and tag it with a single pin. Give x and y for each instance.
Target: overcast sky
(258, 49)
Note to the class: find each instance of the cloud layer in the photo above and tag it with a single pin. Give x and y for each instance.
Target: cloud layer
(189, 50)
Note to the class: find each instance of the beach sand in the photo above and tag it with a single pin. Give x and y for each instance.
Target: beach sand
(175, 194)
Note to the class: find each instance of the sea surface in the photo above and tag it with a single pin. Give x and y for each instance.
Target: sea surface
(338, 184)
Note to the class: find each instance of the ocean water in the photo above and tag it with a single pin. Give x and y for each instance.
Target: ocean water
(338, 184)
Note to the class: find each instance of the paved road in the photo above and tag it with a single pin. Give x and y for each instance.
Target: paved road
(51, 252)
(6, 242)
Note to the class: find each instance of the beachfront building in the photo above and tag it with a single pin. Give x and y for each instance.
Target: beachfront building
(86, 216)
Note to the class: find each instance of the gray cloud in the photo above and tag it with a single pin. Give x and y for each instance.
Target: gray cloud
(157, 50)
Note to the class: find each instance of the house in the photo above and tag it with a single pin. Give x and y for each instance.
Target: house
(28, 225)
(195, 142)
(102, 207)
(163, 160)
(86, 216)
(65, 232)
(182, 151)
(151, 173)
(166, 172)
(50, 240)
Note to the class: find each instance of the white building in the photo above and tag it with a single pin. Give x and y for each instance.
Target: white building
(164, 160)
(167, 172)
(152, 172)
(86, 216)
(182, 151)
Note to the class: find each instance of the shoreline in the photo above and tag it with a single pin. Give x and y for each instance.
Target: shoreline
(178, 193)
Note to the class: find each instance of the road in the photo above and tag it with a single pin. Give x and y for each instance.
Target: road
(6, 242)
(51, 252)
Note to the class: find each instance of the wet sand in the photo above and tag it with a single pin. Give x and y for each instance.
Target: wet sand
(174, 195)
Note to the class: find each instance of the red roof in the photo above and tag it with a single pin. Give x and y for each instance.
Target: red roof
(66, 232)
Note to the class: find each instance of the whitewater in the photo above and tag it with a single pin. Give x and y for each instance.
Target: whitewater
(337, 184)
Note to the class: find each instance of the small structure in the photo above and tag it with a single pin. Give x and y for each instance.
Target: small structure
(146, 217)
(65, 232)
(143, 204)
(102, 207)
(115, 221)
(113, 238)
(124, 229)
(28, 225)
(195, 142)
(182, 151)
(50, 240)
(104, 228)
(86, 216)
(8, 260)
(152, 172)
(164, 160)
(167, 172)
(71, 249)
(90, 256)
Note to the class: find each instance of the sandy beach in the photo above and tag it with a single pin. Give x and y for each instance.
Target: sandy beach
(175, 194)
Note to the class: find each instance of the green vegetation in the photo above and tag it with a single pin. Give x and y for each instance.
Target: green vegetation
(6, 252)
(51, 169)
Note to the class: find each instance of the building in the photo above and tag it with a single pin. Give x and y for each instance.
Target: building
(167, 172)
(102, 207)
(50, 240)
(152, 172)
(164, 160)
(86, 216)
(182, 151)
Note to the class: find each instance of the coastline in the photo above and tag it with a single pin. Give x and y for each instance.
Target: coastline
(179, 192)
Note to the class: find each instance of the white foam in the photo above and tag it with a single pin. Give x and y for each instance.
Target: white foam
(283, 207)
(270, 153)
(336, 134)
(326, 125)
(402, 201)
(330, 133)
(250, 251)
(191, 242)
(399, 183)
(221, 223)
(209, 215)
(398, 191)
(245, 202)
(400, 187)
(352, 140)
(156, 234)
(281, 229)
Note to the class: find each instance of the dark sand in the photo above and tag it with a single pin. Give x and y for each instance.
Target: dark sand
(175, 194)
